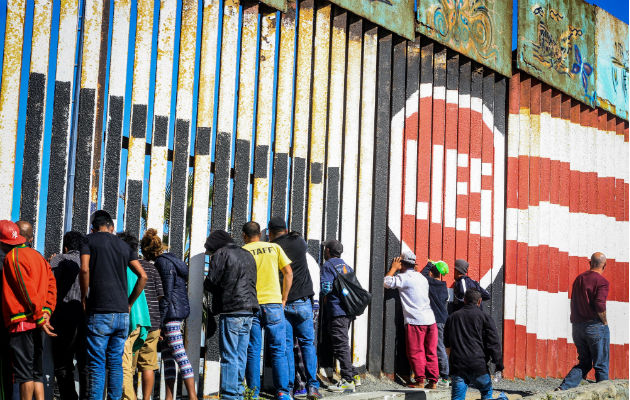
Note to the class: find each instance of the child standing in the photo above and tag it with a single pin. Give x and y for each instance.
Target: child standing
(421, 329)
(463, 282)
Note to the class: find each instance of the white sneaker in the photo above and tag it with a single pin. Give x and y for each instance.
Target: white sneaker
(342, 386)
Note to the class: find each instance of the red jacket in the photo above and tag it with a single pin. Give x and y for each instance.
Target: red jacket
(29, 289)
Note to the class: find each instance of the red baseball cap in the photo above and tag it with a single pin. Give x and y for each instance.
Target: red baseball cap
(10, 233)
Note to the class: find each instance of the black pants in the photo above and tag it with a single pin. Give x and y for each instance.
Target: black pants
(341, 346)
(70, 344)
(6, 371)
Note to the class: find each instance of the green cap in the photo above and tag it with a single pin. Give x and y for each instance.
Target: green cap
(442, 267)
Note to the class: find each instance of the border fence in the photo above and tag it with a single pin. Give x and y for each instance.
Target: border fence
(189, 116)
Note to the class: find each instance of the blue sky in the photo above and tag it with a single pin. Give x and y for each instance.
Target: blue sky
(618, 8)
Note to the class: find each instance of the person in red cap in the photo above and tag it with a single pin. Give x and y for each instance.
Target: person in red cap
(29, 295)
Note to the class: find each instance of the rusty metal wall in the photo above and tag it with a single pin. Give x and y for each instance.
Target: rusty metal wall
(194, 116)
(567, 197)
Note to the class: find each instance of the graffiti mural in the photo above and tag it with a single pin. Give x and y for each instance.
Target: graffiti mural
(556, 44)
(612, 61)
(480, 29)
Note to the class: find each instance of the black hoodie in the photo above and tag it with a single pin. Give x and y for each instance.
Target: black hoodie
(472, 337)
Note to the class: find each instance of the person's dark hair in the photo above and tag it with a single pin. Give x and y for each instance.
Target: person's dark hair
(130, 239)
(333, 253)
(101, 218)
(73, 240)
(277, 231)
(151, 245)
(251, 229)
(472, 296)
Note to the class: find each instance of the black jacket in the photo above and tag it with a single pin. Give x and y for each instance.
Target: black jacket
(438, 295)
(232, 281)
(174, 273)
(463, 284)
(472, 337)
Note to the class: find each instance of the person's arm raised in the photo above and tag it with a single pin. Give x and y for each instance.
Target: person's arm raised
(137, 269)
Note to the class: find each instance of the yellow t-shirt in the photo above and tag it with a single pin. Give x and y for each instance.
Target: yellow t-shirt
(270, 258)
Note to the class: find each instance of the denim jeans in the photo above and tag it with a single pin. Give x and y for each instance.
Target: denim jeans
(271, 318)
(461, 381)
(441, 353)
(234, 339)
(592, 340)
(106, 335)
(299, 316)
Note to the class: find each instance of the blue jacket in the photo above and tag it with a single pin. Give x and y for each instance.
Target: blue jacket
(327, 277)
(174, 273)
(461, 285)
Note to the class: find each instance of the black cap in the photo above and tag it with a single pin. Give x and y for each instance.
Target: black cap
(461, 266)
(216, 240)
(276, 223)
(335, 246)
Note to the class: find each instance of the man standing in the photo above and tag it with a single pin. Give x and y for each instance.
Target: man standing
(29, 296)
(421, 330)
(68, 319)
(104, 261)
(298, 310)
(590, 326)
(231, 280)
(26, 230)
(270, 259)
(337, 321)
(438, 295)
(472, 338)
(463, 282)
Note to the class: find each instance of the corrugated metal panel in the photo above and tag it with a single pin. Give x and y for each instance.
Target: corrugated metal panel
(557, 190)
(394, 15)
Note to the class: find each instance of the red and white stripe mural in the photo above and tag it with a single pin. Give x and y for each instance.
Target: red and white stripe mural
(567, 197)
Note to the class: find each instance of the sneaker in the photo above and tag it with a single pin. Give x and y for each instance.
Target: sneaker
(416, 385)
(283, 396)
(300, 394)
(313, 394)
(342, 386)
(431, 385)
(357, 380)
(444, 383)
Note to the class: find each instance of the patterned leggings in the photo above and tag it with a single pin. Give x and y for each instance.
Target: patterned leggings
(175, 352)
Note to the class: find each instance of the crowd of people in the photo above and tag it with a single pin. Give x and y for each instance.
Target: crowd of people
(111, 311)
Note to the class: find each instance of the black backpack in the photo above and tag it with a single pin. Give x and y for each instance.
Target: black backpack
(353, 298)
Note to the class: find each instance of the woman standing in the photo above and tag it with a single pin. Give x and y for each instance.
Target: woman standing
(174, 310)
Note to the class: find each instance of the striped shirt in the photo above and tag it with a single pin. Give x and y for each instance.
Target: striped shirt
(153, 291)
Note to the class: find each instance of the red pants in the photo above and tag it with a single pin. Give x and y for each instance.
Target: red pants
(422, 343)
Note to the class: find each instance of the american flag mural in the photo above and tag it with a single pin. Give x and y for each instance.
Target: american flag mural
(567, 197)
(189, 116)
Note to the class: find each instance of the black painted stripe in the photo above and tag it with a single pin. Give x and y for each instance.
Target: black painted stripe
(221, 192)
(317, 172)
(58, 169)
(133, 193)
(83, 161)
(179, 188)
(261, 161)
(202, 145)
(391, 355)
(134, 206)
(333, 202)
(380, 194)
(160, 130)
(426, 61)
(113, 143)
(464, 78)
(298, 195)
(497, 287)
(32, 143)
(314, 249)
(280, 184)
(240, 202)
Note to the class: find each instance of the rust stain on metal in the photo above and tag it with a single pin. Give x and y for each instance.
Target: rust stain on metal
(394, 15)
(100, 98)
(479, 29)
